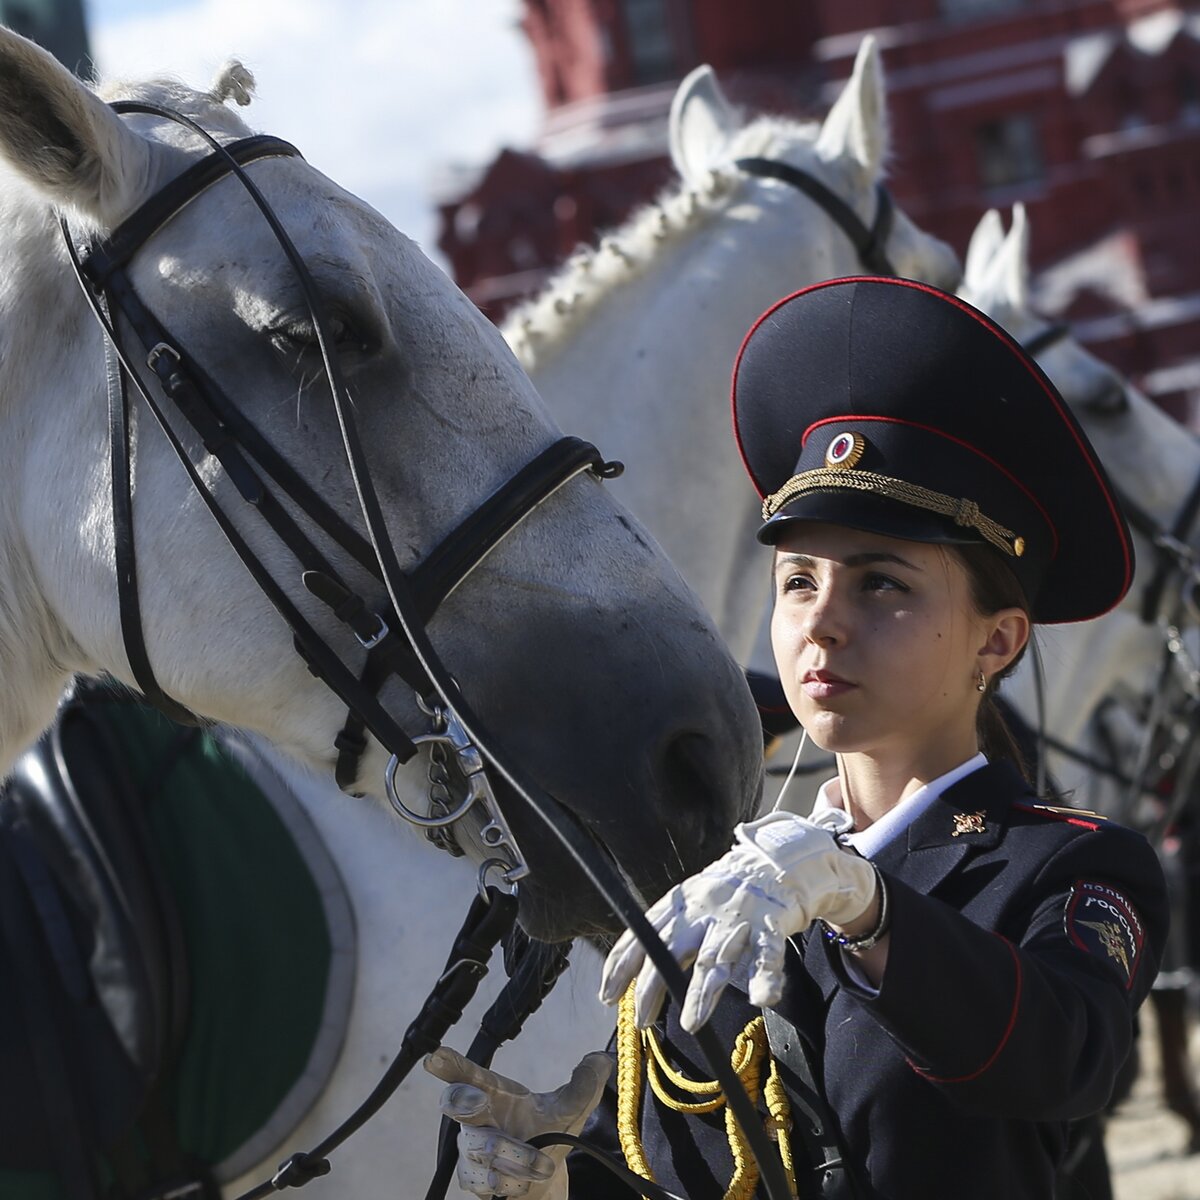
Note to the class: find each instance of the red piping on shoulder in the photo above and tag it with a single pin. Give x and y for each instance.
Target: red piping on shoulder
(1056, 816)
(1012, 1021)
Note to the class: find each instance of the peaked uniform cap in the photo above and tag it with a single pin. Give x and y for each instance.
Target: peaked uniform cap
(890, 406)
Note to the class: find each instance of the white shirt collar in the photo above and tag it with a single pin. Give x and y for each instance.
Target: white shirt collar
(895, 821)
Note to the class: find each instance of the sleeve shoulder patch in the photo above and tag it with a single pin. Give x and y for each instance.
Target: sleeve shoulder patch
(1100, 921)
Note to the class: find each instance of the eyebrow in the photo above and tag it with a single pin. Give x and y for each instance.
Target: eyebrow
(866, 559)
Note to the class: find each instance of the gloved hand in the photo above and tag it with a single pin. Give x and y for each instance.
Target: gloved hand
(497, 1115)
(735, 916)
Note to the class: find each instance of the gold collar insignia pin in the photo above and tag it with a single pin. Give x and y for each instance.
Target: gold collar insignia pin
(968, 823)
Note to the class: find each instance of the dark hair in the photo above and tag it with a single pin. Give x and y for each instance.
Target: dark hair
(993, 587)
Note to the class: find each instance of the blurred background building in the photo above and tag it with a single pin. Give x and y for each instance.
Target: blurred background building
(58, 25)
(1087, 111)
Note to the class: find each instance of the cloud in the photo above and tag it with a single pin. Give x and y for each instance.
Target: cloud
(376, 93)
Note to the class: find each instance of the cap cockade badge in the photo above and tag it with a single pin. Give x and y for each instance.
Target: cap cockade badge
(845, 450)
(968, 823)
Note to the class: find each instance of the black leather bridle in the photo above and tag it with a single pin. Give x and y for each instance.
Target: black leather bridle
(870, 241)
(231, 438)
(394, 633)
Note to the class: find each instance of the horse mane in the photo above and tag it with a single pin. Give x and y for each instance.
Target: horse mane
(232, 82)
(535, 328)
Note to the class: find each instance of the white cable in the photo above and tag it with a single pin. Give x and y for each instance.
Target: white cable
(791, 774)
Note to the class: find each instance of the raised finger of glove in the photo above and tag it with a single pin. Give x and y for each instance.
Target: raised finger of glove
(571, 1105)
(766, 977)
(716, 961)
(452, 1067)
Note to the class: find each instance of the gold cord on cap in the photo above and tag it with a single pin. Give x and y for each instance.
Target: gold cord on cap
(962, 512)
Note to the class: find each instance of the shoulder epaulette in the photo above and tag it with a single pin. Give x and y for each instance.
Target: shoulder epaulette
(1074, 816)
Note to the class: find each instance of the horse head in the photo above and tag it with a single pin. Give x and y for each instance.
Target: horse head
(633, 343)
(573, 639)
(847, 153)
(1152, 462)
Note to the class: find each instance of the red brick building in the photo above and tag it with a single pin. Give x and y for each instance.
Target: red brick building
(1088, 111)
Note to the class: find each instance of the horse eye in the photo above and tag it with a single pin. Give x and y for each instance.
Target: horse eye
(302, 335)
(1108, 400)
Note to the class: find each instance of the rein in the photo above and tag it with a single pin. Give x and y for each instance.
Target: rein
(393, 633)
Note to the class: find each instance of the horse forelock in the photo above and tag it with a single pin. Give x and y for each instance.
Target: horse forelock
(206, 108)
(539, 326)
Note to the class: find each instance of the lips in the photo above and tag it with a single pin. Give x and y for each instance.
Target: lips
(824, 685)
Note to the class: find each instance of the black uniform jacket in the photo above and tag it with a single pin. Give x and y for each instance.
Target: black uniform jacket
(1023, 939)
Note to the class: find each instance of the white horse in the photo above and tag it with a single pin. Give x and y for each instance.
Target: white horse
(574, 640)
(634, 341)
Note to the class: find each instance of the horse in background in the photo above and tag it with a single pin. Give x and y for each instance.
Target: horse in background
(1117, 709)
(634, 341)
(575, 640)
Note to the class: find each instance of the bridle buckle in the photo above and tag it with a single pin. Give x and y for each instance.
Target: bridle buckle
(369, 643)
(162, 350)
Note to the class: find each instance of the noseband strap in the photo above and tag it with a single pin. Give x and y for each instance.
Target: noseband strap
(870, 242)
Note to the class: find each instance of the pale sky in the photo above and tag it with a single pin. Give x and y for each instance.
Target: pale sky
(375, 93)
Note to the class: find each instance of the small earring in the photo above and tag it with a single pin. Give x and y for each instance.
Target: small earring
(981, 686)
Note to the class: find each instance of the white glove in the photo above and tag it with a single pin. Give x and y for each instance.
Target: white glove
(498, 1115)
(736, 915)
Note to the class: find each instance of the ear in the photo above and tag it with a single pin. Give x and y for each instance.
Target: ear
(1008, 631)
(857, 124)
(1013, 262)
(702, 123)
(62, 139)
(981, 252)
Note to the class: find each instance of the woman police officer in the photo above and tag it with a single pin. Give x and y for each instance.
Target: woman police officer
(926, 979)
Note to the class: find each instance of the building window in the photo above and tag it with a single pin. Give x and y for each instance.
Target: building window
(1008, 151)
(965, 10)
(648, 35)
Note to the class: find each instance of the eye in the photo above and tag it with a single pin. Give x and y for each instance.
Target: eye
(1109, 399)
(795, 581)
(299, 336)
(875, 582)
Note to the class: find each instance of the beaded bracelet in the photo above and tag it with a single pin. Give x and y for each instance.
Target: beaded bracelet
(867, 940)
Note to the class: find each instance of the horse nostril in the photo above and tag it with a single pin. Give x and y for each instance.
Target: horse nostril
(698, 818)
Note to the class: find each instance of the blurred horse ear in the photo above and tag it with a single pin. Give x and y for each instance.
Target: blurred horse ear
(982, 250)
(702, 123)
(1014, 260)
(65, 141)
(857, 124)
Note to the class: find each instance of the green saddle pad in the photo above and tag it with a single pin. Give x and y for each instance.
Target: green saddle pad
(270, 944)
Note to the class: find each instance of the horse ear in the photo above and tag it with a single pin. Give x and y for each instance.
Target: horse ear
(701, 125)
(63, 139)
(1009, 276)
(981, 252)
(1016, 259)
(857, 124)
